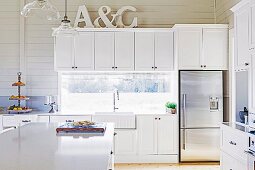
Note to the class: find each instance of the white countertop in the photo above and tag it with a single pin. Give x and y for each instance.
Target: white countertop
(36, 146)
(78, 114)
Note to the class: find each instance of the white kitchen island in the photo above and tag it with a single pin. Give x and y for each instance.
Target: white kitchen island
(36, 146)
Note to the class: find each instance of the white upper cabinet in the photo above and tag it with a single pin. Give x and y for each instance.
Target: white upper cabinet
(64, 52)
(104, 51)
(242, 37)
(154, 51)
(189, 48)
(215, 48)
(202, 47)
(124, 51)
(144, 51)
(84, 51)
(114, 51)
(164, 51)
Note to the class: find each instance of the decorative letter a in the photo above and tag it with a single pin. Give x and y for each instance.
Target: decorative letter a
(83, 16)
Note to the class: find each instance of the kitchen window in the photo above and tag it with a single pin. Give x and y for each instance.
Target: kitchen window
(138, 92)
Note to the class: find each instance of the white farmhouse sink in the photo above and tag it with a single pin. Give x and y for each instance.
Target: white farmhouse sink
(121, 120)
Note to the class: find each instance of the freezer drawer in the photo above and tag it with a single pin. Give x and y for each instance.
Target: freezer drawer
(200, 144)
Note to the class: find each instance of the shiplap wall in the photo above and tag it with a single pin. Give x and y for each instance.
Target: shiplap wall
(40, 76)
(223, 13)
(9, 45)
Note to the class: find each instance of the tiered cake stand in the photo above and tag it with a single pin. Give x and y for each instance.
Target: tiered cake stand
(18, 109)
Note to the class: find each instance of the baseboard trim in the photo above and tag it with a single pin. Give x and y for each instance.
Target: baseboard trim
(146, 159)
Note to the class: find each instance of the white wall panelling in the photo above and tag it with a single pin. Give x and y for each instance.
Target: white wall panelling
(39, 52)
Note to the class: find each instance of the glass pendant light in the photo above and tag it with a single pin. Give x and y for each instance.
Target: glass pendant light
(41, 8)
(65, 26)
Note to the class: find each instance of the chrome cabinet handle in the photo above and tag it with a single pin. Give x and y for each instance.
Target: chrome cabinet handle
(26, 121)
(232, 143)
(68, 121)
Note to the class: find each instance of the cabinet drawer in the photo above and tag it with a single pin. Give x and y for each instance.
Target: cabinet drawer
(61, 119)
(17, 120)
(9, 121)
(43, 119)
(229, 163)
(234, 142)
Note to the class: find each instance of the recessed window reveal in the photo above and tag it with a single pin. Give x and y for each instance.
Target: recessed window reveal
(138, 92)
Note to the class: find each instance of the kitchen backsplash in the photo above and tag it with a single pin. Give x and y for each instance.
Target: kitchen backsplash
(35, 102)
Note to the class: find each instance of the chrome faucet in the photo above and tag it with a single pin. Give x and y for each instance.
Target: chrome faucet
(116, 93)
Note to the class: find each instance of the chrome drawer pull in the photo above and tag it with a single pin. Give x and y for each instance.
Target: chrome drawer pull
(26, 121)
(232, 143)
(68, 121)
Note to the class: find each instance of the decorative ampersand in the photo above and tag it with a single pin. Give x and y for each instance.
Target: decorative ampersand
(103, 12)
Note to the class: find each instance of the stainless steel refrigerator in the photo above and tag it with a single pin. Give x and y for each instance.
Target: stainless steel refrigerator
(201, 112)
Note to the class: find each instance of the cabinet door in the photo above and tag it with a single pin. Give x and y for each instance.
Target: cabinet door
(164, 51)
(84, 51)
(124, 51)
(146, 135)
(189, 48)
(228, 162)
(104, 51)
(167, 135)
(242, 37)
(64, 52)
(252, 26)
(252, 85)
(1, 123)
(144, 51)
(215, 49)
(125, 142)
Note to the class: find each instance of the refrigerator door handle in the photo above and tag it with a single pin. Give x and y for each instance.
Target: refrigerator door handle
(184, 140)
(184, 109)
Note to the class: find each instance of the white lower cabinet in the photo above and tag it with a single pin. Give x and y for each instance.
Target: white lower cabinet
(157, 135)
(1, 123)
(233, 144)
(230, 163)
(125, 142)
(18, 120)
